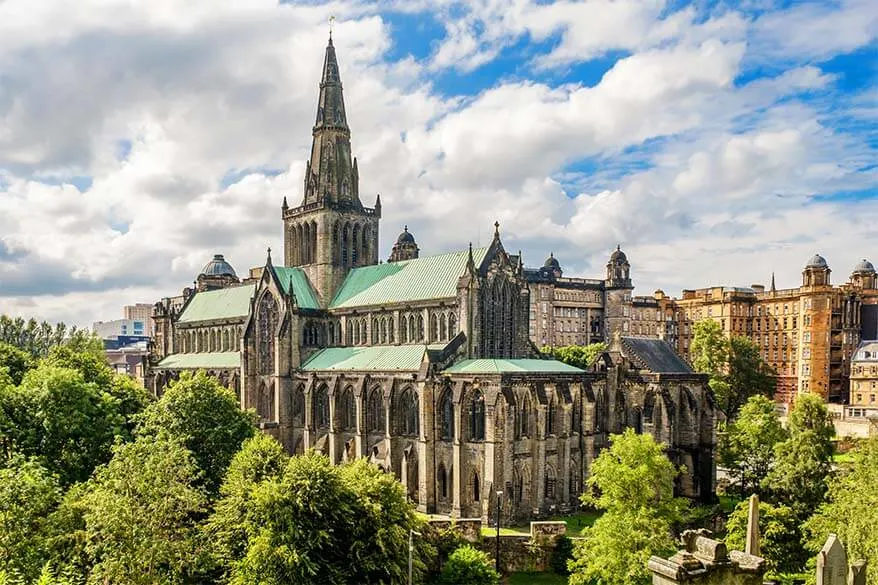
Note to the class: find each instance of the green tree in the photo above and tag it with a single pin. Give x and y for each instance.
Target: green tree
(66, 534)
(803, 462)
(851, 508)
(469, 566)
(300, 525)
(28, 493)
(85, 358)
(734, 365)
(747, 445)
(37, 338)
(579, 356)
(203, 416)
(780, 536)
(16, 360)
(133, 399)
(260, 458)
(142, 515)
(633, 482)
(67, 423)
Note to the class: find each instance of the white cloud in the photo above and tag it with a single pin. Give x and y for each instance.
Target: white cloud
(204, 91)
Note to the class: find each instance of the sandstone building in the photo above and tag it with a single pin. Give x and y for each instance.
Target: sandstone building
(424, 364)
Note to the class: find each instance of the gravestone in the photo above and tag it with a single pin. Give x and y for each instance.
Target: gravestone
(857, 575)
(832, 563)
(751, 546)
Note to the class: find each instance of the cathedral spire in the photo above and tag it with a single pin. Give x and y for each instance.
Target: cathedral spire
(331, 175)
(773, 288)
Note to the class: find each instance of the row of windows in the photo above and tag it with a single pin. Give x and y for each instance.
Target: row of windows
(208, 340)
(404, 412)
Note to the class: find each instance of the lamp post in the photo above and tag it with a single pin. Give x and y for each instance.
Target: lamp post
(411, 550)
(497, 555)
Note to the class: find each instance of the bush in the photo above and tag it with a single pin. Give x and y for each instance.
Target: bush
(562, 552)
(468, 566)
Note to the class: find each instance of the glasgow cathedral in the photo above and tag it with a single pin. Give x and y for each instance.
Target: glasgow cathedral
(423, 364)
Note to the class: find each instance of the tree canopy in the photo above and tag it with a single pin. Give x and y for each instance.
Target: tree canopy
(579, 356)
(469, 566)
(633, 482)
(734, 365)
(747, 445)
(205, 417)
(780, 536)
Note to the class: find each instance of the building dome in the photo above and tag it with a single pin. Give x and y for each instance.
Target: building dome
(552, 262)
(405, 237)
(817, 261)
(218, 267)
(618, 256)
(864, 266)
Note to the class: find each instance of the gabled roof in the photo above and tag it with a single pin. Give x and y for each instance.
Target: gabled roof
(430, 277)
(655, 355)
(224, 303)
(306, 298)
(405, 358)
(201, 361)
(497, 366)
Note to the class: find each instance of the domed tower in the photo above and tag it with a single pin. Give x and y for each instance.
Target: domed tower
(617, 295)
(216, 274)
(816, 272)
(863, 275)
(552, 266)
(405, 247)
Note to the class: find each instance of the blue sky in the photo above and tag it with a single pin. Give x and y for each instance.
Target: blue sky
(717, 142)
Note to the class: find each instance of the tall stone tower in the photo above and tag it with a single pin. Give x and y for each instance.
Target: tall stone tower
(617, 295)
(330, 232)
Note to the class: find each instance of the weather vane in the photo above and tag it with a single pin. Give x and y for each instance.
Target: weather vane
(331, 22)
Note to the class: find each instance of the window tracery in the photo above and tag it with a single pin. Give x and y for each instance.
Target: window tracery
(266, 333)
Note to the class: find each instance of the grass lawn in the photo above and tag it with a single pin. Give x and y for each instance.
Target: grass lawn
(842, 458)
(536, 579)
(576, 522)
(491, 531)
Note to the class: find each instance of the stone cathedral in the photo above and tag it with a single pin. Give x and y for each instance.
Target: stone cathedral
(422, 364)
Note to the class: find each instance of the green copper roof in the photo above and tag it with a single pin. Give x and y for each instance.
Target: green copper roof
(225, 303)
(199, 361)
(431, 277)
(378, 357)
(486, 366)
(305, 296)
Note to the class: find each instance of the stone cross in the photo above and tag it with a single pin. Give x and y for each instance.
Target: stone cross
(832, 563)
(751, 545)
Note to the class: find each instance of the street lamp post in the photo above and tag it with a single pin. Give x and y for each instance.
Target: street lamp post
(411, 550)
(497, 555)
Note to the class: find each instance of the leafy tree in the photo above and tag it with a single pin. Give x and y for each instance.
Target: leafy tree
(16, 360)
(633, 481)
(747, 445)
(734, 365)
(851, 508)
(133, 399)
(37, 338)
(66, 534)
(142, 512)
(580, 356)
(803, 462)
(780, 536)
(204, 417)
(300, 525)
(28, 493)
(469, 566)
(85, 358)
(260, 458)
(67, 423)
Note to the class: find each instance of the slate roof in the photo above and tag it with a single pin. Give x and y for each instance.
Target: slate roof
(866, 351)
(406, 358)
(305, 295)
(201, 361)
(224, 303)
(655, 355)
(430, 277)
(498, 366)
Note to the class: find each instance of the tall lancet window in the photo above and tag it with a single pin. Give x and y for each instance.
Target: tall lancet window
(266, 333)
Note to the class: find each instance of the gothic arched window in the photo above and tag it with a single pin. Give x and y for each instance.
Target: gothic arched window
(375, 412)
(383, 326)
(443, 327)
(321, 408)
(420, 328)
(348, 410)
(375, 328)
(298, 406)
(446, 410)
(434, 327)
(443, 481)
(550, 483)
(522, 413)
(409, 414)
(403, 330)
(349, 333)
(648, 408)
(476, 491)
(266, 327)
(364, 339)
(477, 417)
(550, 417)
(390, 328)
(452, 325)
(355, 246)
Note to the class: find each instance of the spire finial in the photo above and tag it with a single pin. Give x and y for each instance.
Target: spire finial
(496, 229)
(405, 228)
(268, 260)
(773, 289)
(285, 206)
(618, 247)
(331, 23)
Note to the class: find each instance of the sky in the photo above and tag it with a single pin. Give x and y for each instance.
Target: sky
(715, 142)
